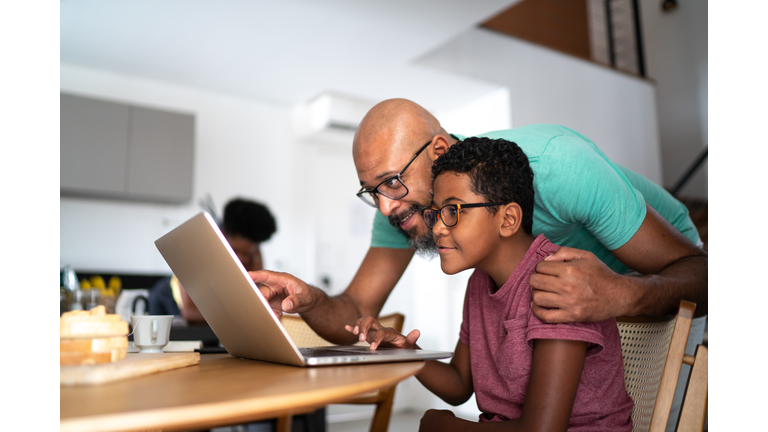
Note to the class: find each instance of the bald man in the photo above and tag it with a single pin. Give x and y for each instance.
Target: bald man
(629, 247)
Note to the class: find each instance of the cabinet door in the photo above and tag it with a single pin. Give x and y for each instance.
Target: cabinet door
(93, 146)
(160, 156)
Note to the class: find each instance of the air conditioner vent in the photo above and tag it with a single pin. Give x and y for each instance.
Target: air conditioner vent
(330, 117)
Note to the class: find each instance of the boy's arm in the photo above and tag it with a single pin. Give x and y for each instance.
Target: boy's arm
(451, 382)
(555, 374)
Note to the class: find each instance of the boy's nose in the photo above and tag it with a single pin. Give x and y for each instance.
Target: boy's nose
(439, 229)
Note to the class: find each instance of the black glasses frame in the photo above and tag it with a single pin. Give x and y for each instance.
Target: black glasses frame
(374, 192)
(458, 208)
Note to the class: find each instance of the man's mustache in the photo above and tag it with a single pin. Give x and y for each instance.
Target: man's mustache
(395, 219)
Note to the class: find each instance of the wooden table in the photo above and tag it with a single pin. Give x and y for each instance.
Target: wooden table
(221, 390)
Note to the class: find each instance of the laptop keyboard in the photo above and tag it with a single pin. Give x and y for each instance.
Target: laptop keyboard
(318, 352)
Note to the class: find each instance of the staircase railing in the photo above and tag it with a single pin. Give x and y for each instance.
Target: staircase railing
(618, 35)
(689, 173)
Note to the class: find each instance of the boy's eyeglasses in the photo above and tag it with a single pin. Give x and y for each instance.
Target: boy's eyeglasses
(449, 214)
(392, 188)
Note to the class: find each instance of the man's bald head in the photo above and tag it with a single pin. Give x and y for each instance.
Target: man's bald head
(392, 133)
(397, 123)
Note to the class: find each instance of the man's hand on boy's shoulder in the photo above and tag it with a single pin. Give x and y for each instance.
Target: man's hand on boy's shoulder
(573, 285)
(368, 329)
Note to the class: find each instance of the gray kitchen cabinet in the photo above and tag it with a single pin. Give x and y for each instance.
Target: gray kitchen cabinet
(94, 145)
(118, 151)
(160, 156)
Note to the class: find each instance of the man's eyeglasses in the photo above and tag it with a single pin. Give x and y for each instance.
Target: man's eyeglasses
(392, 188)
(449, 214)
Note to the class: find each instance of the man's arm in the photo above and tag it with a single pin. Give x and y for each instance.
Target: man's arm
(366, 294)
(574, 286)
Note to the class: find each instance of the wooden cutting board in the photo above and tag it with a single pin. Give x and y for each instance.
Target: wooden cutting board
(133, 365)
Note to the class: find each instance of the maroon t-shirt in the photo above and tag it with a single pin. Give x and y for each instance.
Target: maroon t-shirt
(499, 329)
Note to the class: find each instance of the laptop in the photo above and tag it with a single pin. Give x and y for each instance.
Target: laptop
(215, 279)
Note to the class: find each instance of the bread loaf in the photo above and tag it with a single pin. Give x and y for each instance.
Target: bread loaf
(91, 324)
(91, 337)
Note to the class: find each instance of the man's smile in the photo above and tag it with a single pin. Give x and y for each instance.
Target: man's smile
(406, 220)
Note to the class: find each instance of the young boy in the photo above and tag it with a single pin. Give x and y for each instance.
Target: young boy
(526, 374)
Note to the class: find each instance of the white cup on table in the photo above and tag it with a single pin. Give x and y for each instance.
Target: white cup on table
(151, 332)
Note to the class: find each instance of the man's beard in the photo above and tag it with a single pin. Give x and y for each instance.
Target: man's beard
(423, 245)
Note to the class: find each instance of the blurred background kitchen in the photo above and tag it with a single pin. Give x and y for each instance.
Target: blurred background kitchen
(168, 108)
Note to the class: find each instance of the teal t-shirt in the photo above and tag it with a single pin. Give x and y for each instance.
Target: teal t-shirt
(582, 199)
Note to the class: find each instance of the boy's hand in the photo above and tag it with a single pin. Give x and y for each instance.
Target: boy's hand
(370, 330)
(436, 420)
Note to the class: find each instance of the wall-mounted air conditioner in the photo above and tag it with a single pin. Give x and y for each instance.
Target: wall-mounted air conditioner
(330, 117)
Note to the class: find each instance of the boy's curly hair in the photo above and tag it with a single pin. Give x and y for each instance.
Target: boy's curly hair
(498, 170)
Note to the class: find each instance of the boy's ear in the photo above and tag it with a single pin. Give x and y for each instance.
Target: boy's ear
(512, 219)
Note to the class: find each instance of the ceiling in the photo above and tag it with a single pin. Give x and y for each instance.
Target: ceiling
(281, 51)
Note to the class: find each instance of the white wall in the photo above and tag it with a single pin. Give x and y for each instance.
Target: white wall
(617, 111)
(676, 53)
(243, 147)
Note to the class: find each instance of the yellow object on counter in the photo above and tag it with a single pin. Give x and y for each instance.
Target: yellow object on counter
(97, 282)
(176, 291)
(85, 284)
(115, 285)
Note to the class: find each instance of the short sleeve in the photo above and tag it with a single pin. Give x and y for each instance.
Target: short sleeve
(591, 333)
(671, 209)
(577, 184)
(385, 235)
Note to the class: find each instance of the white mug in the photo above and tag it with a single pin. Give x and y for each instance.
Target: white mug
(151, 332)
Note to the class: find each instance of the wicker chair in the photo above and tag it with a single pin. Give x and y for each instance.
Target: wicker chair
(693, 413)
(654, 351)
(303, 336)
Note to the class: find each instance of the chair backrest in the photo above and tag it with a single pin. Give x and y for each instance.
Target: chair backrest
(653, 349)
(693, 413)
(303, 336)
